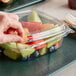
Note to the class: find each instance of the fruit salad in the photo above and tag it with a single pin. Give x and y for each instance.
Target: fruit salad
(42, 36)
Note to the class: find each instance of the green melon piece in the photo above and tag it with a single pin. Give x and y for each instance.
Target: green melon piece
(12, 54)
(49, 44)
(42, 51)
(33, 16)
(5, 45)
(11, 51)
(25, 50)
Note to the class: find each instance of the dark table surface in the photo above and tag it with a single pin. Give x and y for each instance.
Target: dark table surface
(18, 4)
(41, 66)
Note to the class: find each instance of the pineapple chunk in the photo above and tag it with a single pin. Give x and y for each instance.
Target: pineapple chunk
(42, 51)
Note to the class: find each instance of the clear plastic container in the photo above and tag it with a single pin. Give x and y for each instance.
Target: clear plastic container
(60, 26)
(45, 41)
(70, 20)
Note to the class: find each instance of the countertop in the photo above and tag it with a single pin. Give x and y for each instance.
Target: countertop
(41, 66)
(55, 8)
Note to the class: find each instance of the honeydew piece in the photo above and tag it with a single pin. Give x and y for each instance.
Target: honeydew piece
(25, 50)
(11, 51)
(49, 44)
(12, 54)
(33, 16)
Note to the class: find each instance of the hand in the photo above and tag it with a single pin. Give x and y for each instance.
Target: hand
(5, 1)
(10, 28)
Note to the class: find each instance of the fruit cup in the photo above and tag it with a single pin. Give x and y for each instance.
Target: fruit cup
(45, 35)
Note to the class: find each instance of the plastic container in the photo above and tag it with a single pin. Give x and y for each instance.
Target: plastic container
(45, 41)
(45, 19)
(71, 22)
(72, 35)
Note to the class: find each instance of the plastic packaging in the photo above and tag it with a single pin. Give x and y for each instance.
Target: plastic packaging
(71, 22)
(60, 26)
(40, 42)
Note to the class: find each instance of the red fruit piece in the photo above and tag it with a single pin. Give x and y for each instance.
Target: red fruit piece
(37, 41)
(46, 26)
(33, 27)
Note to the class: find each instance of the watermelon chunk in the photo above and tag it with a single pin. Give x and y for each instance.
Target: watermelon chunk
(33, 27)
(37, 41)
(36, 27)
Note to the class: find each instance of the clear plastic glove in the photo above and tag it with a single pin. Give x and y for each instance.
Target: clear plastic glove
(10, 28)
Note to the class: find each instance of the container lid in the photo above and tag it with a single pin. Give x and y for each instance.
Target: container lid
(43, 33)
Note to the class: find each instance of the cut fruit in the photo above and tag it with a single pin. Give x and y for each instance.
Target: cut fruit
(33, 16)
(49, 44)
(36, 54)
(42, 51)
(11, 51)
(26, 32)
(47, 26)
(33, 27)
(12, 54)
(37, 41)
(25, 50)
(52, 49)
(36, 27)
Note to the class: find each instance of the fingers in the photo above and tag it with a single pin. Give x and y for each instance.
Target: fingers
(5, 1)
(3, 21)
(15, 24)
(10, 38)
(13, 16)
(2, 13)
(20, 31)
(18, 27)
(10, 21)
